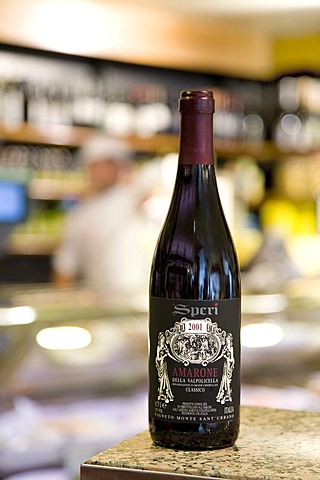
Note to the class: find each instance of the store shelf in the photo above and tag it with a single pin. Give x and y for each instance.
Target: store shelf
(65, 187)
(224, 148)
(262, 151)
(74, 136)
(63, 135)
(32, 244)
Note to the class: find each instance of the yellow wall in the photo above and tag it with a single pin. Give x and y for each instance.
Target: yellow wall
(297, 54)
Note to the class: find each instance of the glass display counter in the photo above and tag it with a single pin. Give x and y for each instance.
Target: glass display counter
(62, 402)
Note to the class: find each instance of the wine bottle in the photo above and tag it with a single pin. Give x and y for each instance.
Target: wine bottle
(194, 325)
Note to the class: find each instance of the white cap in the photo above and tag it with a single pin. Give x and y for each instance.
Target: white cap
(101, 147)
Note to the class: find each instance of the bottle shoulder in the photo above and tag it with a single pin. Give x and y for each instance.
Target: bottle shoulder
(200, 224)
(187, 265)
(195, 255)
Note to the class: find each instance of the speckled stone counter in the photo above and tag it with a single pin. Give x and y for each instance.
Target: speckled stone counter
(272, 445)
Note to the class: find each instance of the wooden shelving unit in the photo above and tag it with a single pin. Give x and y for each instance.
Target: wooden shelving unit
(62, 135)
(74, 137)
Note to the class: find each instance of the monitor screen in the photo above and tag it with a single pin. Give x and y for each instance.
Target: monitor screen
(13, 202)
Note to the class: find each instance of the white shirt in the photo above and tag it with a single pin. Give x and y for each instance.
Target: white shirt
(103, 241)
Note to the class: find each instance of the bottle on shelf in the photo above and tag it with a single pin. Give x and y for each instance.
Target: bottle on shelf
(14, 103)
(297, 128)
(229, 116)
(152, 113)
(88, 103)
(119, 117)
(194, 360)
(254, 128)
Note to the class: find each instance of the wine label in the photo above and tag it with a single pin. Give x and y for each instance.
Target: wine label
(194, 360)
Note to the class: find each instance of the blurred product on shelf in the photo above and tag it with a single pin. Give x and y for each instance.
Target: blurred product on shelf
(297, 129)
(271, 268)
(229, 115)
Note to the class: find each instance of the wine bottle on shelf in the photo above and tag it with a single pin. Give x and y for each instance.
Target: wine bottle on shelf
(14, 103)
(194, 327)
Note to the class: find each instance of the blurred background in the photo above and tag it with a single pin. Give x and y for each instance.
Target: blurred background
(73, 358)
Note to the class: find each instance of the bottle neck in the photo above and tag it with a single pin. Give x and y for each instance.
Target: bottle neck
(196, 138)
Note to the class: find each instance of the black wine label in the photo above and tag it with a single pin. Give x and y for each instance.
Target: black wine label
(194, 360)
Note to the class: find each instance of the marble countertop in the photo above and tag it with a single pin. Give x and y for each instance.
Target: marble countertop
(272, 445)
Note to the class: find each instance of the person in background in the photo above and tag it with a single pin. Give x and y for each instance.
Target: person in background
(102, 242)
